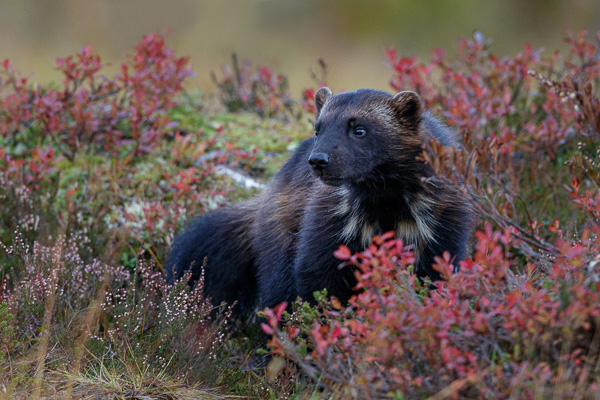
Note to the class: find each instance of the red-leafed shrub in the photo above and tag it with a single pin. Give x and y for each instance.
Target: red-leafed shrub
(263, 92)
(485, 332)
(88, 109)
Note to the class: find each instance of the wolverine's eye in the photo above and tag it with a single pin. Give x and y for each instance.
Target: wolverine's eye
(317, 126)
(359, 131)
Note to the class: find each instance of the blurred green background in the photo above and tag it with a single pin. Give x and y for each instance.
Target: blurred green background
(288, 35)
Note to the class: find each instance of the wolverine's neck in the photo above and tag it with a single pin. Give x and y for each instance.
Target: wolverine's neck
(382, 204)
(391, 197)
(369, 210)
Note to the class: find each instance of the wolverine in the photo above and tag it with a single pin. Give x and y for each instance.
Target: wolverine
(359, 176)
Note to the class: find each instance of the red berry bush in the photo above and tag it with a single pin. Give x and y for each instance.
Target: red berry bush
(88, 109)
(263, 92)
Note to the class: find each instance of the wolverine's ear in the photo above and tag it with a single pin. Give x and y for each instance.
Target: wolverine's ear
(407, 105)
(321, 97)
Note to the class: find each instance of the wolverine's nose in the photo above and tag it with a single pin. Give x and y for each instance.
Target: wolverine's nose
(318, 161)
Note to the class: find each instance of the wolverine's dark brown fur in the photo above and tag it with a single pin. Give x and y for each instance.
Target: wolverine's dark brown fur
(358, 177)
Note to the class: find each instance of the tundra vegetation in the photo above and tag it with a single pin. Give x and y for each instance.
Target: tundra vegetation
(98, 173)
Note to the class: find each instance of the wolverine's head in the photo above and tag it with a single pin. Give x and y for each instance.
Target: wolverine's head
(360, 134)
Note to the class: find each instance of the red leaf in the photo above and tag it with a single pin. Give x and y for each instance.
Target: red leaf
(279, 308)
(342, 253)
(267, 329)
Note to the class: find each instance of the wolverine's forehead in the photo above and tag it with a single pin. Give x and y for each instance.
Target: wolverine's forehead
(361, 103)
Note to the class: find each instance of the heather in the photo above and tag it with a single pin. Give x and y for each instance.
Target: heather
(98, 173)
